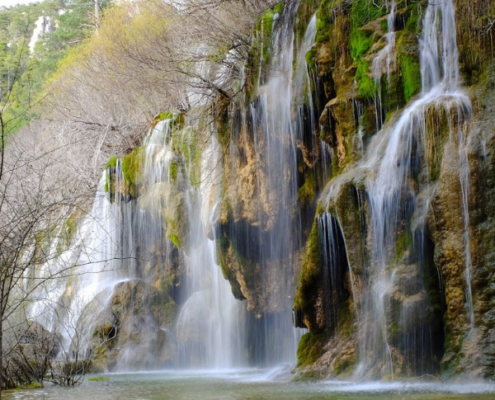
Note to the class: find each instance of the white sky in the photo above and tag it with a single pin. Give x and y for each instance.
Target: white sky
(14, 2)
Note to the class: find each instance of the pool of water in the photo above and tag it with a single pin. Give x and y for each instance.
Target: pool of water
(247, 385)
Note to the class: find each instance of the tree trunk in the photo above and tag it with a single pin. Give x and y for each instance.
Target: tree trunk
(1, 354)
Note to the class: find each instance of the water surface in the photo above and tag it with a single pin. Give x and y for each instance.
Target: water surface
(247, 385)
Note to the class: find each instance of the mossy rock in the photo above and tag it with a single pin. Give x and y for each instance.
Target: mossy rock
(308, 286)
(310, 348)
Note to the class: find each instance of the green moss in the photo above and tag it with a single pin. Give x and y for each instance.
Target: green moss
(394, 329)
(403, 243)
(307, 191)
(345, 324)
(384, 25)
(175, 240)
(413, 23)
(360, 42)
(40, 238)
(131, 164)
(69, 229)
(411, 75)
(166, 115)
(107, 182)
(112, 162)
(173, 170)
(308, 376)
(366, 85)
(223, 130)
(344, 364)
(224, 246)
(364, 11)
(32, 385)
(310, 348)
(310, 272)
(325, 18)
(265, 29)
(310, 59)
(189, 146)
(99, 378)
(279, 7)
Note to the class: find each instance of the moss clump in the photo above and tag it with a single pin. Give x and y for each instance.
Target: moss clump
(228, 258)
(131, 166)
(310, 59)
(345, 325)
(344, 364)
(411, 75)
(384, 25)
(112, 162)
(261, 49)
(69, 229)
(166, 115)
(309, 280)
(307, 191)
(360, 42)
(308, 376)
(366, 85)
(413, 22)
(278, 8)
(173, 171)
(188, 145)
(32, 385)
(364, 11)
(325, 18)
(310, 348)
(99, 379)
(175, 240)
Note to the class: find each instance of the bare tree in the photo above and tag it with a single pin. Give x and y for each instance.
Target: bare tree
(39, 189)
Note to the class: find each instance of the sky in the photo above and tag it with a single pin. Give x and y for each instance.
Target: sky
(14, 2)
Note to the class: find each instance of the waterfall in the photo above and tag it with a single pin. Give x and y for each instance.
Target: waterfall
(152, 232)
(85, 273)
(277, 139)
(393, 307)
(391, 196)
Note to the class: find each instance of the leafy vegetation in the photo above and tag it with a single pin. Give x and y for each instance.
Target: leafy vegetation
(26, 64)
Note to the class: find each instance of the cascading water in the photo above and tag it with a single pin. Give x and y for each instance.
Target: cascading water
(277, 137)
(123, 242)
(85, 273)
(151, 231)
(394, 317)
(392, 198)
